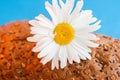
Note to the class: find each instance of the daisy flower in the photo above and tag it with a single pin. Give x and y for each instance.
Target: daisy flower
(66, 38)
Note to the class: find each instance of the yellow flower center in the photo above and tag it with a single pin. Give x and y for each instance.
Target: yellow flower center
(64, 33)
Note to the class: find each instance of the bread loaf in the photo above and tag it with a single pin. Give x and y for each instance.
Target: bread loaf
(18, 62)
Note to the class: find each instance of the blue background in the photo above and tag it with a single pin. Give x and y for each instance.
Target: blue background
(106, 10)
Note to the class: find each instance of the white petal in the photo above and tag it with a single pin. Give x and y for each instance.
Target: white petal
(81, 45)
(68, 6)
(63, 56)
(66, 10)
(97, 23)
(88, 36)
(55, 61)
(93, 19)
(55, 3)
(35, 38)
(90, 28)
(61, 4)
(42, 44)
(51, 53)
(40, 24)
(34, 23)
(50, 10)
(91, 44)
(38, 30)
(45, 20)
(78, 7)
(45, 51)
(72, 55)
(87, 17)
(43, 41)
(59, 14)
(83, 54)
(84, 18)
(62, 13)
(87, 42)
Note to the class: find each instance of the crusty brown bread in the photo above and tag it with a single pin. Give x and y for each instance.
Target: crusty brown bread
(18, 62)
